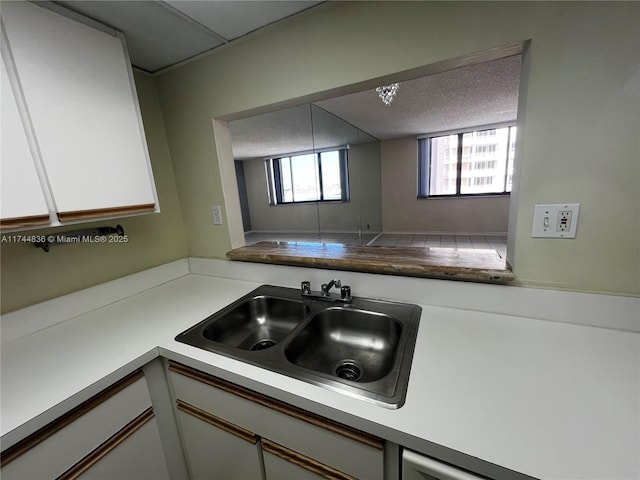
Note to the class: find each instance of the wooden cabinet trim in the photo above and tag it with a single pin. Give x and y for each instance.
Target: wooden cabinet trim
(25, 221)
(303, 461)
(103, 450)
(278, 406)
(105, 212)
(218, 422)
(45, 432)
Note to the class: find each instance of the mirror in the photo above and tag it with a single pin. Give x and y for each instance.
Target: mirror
(356, 220)
(312, 198)
(384, 205)
(255, 140)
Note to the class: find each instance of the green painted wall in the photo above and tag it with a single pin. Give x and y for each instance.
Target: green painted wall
(29, 275)
(579, 116)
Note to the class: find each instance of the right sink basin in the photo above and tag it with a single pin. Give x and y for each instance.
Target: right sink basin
(354, 345)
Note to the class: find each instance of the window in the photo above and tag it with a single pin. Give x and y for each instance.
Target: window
(478, 162)
(309, 177)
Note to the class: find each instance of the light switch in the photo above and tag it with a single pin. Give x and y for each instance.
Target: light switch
(558, 220)
(217, 214)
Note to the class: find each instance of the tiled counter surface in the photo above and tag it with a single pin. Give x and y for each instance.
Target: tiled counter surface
(547, 399)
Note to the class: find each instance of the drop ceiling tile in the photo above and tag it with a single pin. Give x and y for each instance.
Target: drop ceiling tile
(156, 36)
(232, 19)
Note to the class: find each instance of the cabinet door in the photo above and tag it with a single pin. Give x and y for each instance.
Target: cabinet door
(281, 463)
(340, 447)
(140, 456)
(275, 468)
(217, 449)
(81, 99)
(22, 202)
(52, 450)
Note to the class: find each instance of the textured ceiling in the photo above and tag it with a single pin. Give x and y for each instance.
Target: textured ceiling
(162, 33)
(471, 96)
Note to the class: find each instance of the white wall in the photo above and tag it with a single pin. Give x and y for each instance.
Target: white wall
(578, 120)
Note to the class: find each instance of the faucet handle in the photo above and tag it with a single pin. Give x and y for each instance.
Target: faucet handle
(305, 287)
(345, 292)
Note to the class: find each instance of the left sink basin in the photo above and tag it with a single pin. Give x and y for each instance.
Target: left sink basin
(255, 323)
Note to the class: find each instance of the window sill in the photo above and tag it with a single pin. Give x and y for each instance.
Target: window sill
(309, 202)
(467, 195)
(484, 266)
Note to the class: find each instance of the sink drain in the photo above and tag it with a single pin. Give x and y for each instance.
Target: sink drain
(349, 370)
(262, 345)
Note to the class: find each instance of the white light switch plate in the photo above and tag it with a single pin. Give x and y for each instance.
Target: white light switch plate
(558, 220)
(216, 212)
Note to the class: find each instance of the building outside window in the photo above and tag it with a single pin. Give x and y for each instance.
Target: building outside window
(476, 162)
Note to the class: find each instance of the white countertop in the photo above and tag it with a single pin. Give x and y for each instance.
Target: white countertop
(548, 399)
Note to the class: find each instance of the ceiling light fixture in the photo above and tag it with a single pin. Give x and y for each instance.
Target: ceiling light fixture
(387, 92)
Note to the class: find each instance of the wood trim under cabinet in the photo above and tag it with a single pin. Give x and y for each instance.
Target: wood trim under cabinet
(30, 221)
(278, 406)
(105, 212)
(218, 422)
(58, 424)
(303, 461)
(103, 450)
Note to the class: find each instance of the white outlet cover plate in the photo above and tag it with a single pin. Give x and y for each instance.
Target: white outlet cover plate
(216, 213)
(551, 212)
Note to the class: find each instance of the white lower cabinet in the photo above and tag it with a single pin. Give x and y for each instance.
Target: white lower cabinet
(295, 444)
(138, 457)
(277, 468)
(281, 463)
(111, 435)
(217, 449)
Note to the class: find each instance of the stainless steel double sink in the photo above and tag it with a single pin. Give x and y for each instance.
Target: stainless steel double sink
(362, 348)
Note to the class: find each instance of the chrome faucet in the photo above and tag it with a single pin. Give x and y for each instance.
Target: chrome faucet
(325, 294)
(325, 287)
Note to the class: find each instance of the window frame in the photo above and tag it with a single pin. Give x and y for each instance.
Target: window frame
(424, 162)
(275, 179)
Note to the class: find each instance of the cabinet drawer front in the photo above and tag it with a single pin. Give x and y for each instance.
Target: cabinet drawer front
(53, 449)
(342, 448)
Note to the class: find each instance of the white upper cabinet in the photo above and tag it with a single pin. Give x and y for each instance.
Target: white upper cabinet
(22, 202)
(80, 97)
